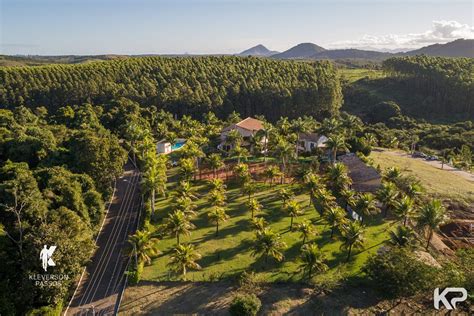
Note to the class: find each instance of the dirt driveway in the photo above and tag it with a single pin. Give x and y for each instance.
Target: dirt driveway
(213, 298)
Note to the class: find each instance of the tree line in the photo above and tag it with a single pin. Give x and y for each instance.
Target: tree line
(445, 85)
(190, 86)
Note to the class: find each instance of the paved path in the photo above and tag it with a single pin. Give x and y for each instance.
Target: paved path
(98, 289)
(437, 164)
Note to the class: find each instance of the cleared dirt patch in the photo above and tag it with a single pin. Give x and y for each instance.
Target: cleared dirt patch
(213, 298)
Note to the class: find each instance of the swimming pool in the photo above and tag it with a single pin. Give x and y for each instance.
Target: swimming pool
(178, 145)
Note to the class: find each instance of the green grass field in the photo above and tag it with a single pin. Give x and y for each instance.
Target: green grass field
(353, 75)
(230, 253)
(439, 183)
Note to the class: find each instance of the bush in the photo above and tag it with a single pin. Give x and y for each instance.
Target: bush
(49, 310)
(245, 305)
(396, 273)
(134, 275)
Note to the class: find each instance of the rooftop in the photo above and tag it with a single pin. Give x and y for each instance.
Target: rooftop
(359, 172)
(249, 123)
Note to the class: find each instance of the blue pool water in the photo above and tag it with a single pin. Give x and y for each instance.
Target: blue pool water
(177, 145)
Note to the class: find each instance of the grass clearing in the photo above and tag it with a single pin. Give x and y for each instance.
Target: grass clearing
(439, 183)
(230, 253)
(353, 75)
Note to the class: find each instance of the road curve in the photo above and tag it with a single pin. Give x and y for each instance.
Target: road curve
(98, 289)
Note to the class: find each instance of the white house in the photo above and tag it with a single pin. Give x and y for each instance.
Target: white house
(246, 128)
(165, 147)
(310, 141)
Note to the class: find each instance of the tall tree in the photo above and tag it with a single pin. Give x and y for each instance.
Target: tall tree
(143, 246)
(178, 224)
(269, 244)
(184, 257)
(405, 209)
(352, 236)
(312, 259)
(431, 215)
(307, 230)
(294, 210)
(217, 215)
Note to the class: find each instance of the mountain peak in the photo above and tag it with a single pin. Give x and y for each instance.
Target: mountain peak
(258, 50)
(301, 51)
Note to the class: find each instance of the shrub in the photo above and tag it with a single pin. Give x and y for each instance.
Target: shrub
(245, 305)
(396, 273)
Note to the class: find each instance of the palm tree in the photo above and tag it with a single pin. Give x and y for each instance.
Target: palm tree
(335, 217)
(187, 168)
(242, 172)
(365, 205)
(336, 143)
(268, 244)
(271, 173)
(371, 139)
(323, 199)
(431, 215)
(233, 138)
(259, 223)
(338, 178)
(387, 195)
(184, 257)
(414, 190)
(215, 163)
(216, 198)
(403, 236)
(404, 209)
(216, 215)
(312, 259)
(249, 189)
(352, 236)
(284, 152)
(392, 174)
(217, 184)
(254, 207)
(185, 205)
(154, 181)
(298, 126)
(178, 224)
(330, 126)
(143, 246)
(311, 182)
(185, 189)
(240, 152)
(307, 230)
(294, 210)
(285, 195)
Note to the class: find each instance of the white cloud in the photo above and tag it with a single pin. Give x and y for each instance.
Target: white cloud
(441, 32)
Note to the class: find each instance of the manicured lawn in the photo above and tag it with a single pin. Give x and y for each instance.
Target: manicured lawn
(230, 252)
(440, 183)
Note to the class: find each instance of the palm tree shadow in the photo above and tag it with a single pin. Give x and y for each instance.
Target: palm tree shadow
(223, 255)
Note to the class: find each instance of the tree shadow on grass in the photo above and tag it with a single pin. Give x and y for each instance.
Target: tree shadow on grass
(223, 255)
(225, 231)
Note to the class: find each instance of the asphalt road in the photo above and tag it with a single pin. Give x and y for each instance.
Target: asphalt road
(98, 289)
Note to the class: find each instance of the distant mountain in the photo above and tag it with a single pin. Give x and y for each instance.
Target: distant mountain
(300, 51)
(350, 53)
(258, 50)
(458, 48)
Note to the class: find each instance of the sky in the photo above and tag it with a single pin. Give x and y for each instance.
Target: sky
(88, 27)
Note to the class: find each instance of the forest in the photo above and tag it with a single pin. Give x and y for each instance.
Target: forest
(446, 85)
(191, 86)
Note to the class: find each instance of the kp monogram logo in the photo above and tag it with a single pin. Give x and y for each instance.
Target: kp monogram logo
(46, 257)
(441, 297)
